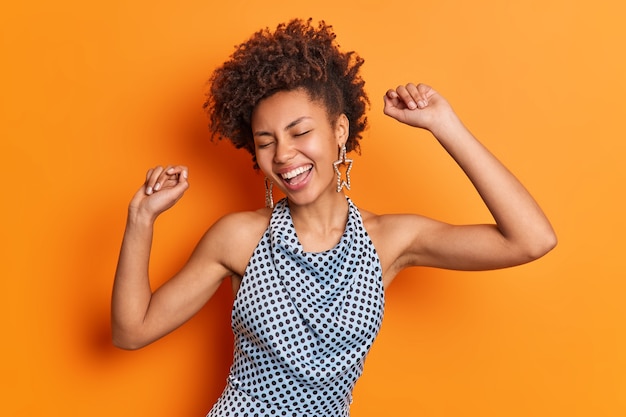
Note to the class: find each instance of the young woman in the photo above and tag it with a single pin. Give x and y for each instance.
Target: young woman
(309, 273)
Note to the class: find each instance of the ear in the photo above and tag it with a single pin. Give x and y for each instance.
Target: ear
(342, 129)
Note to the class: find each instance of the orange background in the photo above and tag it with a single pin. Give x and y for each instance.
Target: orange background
(93, 93)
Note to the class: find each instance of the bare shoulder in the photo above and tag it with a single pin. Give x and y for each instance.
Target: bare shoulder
(391, 226)
(233, 238)
(243, 224)
(391, 235)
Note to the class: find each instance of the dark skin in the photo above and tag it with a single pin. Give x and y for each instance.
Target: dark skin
(295, 145)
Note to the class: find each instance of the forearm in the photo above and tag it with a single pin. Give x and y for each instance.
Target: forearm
(131, 289)
(519, 218)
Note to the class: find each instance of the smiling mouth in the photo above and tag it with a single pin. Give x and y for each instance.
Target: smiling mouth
(296, 175)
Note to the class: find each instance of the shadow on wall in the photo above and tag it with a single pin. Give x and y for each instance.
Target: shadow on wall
(221, 178)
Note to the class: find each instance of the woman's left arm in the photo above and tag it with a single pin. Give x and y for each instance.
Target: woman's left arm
(522, 231)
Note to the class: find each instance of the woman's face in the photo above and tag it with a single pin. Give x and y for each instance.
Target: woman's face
(296, 144)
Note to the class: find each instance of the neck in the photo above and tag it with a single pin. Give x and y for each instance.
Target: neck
(321, 221)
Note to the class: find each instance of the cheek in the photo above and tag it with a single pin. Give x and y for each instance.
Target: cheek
(264, 161)
(321, 149)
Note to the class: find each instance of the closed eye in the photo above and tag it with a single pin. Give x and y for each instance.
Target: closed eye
(302, 133)
(261, 144)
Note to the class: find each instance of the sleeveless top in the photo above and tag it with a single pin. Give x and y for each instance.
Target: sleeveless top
(303, 323)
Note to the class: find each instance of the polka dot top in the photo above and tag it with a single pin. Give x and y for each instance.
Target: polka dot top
(303, 323)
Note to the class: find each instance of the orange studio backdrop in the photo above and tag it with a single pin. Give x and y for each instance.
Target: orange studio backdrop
(94, 93)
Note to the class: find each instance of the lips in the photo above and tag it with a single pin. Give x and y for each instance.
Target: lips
(296, 175)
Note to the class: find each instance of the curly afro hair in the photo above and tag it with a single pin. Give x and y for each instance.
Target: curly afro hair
(296, 55)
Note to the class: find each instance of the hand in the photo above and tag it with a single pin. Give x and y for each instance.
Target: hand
(162, 189)
(416, 105)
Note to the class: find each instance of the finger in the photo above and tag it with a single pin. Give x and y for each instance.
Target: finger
(146, 188)
(174, 181)
(404, 94)
(182, 176)
(171, 176)
(425, 93)
(182, 173)
(177, 173)
(388, 101)
(152, 178)
(148, 174)
(164, 176)
(391, 97)
(391, 94)
(420, 94)
(424, 89)
(178, 170)
(392, 106)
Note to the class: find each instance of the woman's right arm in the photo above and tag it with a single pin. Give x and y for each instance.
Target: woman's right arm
(139, 316)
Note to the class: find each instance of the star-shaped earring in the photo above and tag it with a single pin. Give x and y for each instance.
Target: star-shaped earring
(342, 161)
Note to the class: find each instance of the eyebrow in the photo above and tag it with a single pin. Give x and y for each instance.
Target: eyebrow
(289, 126)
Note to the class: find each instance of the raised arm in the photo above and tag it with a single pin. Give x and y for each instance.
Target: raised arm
(521, 233)
(139, 316)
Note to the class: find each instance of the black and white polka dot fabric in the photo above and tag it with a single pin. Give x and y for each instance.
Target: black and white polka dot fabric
(303, 323)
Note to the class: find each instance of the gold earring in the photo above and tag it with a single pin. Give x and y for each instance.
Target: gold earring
(342, 161)
(269, 196)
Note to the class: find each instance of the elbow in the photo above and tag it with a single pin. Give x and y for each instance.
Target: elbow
(548, 242)
(541, 245)
(126, 345)
(126, 340)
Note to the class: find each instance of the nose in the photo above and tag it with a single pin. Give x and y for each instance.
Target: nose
(284, 151)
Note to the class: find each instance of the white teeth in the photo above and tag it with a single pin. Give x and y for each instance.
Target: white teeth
(289, 175)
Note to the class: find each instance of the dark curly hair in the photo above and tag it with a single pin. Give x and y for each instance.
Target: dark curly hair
(296, 55)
